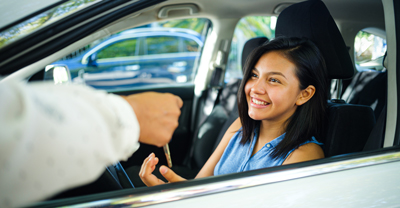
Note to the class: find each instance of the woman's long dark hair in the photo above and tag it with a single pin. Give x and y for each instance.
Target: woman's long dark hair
(309, 118)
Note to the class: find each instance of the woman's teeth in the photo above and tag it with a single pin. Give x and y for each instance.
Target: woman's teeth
(258, 102)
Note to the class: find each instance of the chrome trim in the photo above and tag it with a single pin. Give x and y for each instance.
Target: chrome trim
(255, 180)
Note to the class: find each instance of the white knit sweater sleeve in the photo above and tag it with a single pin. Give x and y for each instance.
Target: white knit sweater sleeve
(55, 137)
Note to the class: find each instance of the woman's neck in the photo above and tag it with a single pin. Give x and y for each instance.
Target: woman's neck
(270, 130)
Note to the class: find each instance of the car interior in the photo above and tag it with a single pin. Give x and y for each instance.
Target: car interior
(309, 19)
(356, 114)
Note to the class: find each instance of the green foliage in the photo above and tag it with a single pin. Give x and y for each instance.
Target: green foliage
(196, 24)
(120, 49)
(41, 20)
(365, 35)
(160, 45)
(367, 46)
(256, 26)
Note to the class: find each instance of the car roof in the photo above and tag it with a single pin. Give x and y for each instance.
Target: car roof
(356, 10)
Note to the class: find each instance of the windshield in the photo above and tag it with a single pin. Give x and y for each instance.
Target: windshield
(43, 19)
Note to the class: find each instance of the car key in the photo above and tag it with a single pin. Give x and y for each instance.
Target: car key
(167, 155)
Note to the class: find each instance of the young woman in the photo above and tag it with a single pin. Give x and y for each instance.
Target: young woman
(282, 102)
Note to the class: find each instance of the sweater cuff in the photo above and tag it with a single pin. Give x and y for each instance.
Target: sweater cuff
(131, 129)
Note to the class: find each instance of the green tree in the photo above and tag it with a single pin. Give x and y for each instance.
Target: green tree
(255, 26)
(196, 24)
(40, 20)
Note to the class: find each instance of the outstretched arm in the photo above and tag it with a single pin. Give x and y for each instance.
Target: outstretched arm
(149, 164)
(55, 137)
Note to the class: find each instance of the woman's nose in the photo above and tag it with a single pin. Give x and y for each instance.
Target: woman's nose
(258, 87)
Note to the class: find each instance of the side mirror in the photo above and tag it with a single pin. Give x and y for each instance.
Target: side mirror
(92, 60)
(58, 73)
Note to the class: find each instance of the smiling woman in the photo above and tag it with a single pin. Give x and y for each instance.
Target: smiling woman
(282, 101)
(84, 41)
(289, 75)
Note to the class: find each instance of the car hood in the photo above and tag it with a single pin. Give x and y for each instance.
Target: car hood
(16, 10)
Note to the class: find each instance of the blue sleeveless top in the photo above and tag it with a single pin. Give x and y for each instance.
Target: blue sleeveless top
(237, 157)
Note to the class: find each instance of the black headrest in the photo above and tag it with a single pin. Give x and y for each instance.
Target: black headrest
(311, 19)
(250, 45)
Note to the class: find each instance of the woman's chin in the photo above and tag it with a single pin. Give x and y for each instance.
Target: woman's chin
(254, 116)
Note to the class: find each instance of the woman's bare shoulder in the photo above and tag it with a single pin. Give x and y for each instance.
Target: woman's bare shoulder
(306, 152)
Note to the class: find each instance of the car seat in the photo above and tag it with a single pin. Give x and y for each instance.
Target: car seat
(368, 87)
(348, 125)
(376, 138)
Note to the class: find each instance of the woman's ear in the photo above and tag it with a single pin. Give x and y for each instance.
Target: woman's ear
(305, 95)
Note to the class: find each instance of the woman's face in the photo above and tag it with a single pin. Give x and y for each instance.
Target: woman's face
(272, 89)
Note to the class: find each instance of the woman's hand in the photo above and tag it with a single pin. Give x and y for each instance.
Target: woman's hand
(146, 172)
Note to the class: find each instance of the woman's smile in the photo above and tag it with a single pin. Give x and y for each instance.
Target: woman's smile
(258, 103)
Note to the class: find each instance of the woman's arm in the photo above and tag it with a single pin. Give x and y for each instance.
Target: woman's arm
(149, 164)
(310, 151)
(208, 168)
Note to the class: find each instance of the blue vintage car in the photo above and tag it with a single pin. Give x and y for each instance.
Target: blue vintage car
(137, 57)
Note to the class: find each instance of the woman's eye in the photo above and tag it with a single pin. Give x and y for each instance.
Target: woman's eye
(253, 75)
(274, 80)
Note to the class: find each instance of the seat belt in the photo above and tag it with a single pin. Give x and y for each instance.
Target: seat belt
(213, 93)
(114, 169)
(114, 175)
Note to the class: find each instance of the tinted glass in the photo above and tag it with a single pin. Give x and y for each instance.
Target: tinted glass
(162, 44)
(120, 49)
(190, 45)
(158, 53)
